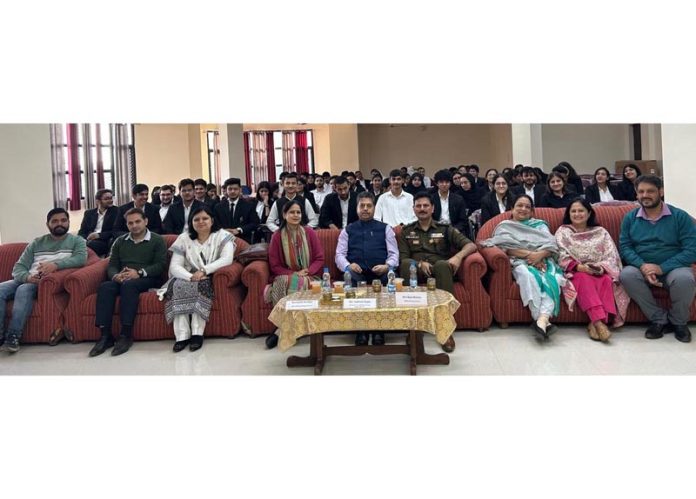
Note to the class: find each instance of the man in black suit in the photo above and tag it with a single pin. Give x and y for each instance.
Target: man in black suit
(473, 170)
(449, 208)
(235, 215)
(339, 208)
(176, 221)
(200, 192)
(355, 186)
(530, 185)
(140, 194)
(98, 223)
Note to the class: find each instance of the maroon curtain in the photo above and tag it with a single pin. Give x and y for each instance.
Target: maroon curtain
(74, 176)
(247, 163)
(301, 152)
(270, 157)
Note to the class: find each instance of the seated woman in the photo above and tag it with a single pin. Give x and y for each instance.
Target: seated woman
(531, 248)
(630, 173)
(602, 190)
(557, 195)
(295, 258)
(490, 176)
(416, 185)
(496, 202)
(196, 255)
(470, 192)
(590, 259)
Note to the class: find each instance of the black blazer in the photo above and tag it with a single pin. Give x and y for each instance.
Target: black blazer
(457, 211)
(627, 190)
(592, 193)
(174, 221)
(89, 223)
(245, 217)
(490, 208)
(550, 200)
(331, 211)
(154, 223)
(539, 191)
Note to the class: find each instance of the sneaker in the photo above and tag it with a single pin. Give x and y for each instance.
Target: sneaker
(11, 343)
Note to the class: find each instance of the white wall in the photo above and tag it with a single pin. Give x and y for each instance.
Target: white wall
(25, 177)
(586, 146)
(678, 160)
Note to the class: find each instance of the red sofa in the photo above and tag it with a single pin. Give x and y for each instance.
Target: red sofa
(505, 293)
(52, 299)
(474, 312)
(150, 323)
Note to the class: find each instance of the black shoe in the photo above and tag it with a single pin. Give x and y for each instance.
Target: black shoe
(449, 345)
(122, 345)
(361, 339)
(378, 339)
(11, 343)
(196, 342)
(539, 331)
(682, 333)
(180, 345)
(271, 341)
(101, 345)
(655, 331)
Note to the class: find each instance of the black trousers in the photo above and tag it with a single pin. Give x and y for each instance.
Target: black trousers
(100, 247)
(129, 292)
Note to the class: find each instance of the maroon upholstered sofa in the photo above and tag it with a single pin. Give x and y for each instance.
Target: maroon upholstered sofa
(150, 323)
(474, 312)
(505, 293)
(52, 299)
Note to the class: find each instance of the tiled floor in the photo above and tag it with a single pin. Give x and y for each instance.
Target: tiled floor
(513, 351)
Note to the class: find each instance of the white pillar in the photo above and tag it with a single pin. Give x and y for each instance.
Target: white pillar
(25, 177)
(679, 165)
(232, 151)
(527, 145)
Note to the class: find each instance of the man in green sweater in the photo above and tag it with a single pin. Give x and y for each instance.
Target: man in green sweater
(46, 254)
(658, 246)
(136, 264)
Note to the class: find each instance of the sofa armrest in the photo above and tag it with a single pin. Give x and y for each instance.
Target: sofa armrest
(85, 281)
(229, 276)
(496, 259)
(54, 283)
(256, 275)
(473, 268)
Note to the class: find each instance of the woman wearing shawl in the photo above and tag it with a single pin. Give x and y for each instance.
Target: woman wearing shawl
(295, 258)
(591, 261)
(532, 249)
(196, 255)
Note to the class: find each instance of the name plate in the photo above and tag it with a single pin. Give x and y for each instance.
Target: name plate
(412, 299)
(301, 304)
(365, 303)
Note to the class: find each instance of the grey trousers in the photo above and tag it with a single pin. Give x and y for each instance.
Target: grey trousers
(681, 286)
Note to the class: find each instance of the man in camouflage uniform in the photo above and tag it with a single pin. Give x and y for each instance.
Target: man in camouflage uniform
(431, 244)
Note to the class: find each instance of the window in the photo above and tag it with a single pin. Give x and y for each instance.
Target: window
(271, 152)
(212, 139)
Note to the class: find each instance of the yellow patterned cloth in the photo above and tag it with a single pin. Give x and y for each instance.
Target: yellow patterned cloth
(436, 318)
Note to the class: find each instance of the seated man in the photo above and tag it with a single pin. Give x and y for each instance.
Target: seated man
(290, 186)
(395, 207)
(430, 245)
(449, 208)
(54, 251)
(339, 208)
(98, 223)
(658, 245)
(140, 196)
(137, 262)
(234, 214)
(176, 221)
(200, 190)
(368, 249)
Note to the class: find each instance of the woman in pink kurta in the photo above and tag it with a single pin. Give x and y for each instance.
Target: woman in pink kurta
(592, 264)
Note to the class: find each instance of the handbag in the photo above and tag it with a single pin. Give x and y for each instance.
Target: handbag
(253, 252)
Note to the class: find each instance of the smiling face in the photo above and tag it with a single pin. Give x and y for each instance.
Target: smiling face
(140, 199)
(556, 185)
(579, 215)
(601, 177)
(522, 210)
(529, 179)
(166, 196)
(395, 183)
(293, 217)
(630, 173)
(500, 186)
(648, 195)
(202, 223)
(58, 225)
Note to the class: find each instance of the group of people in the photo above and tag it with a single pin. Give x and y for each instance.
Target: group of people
(580, 263)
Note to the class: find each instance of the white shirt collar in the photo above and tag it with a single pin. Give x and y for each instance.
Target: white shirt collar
(147, 237)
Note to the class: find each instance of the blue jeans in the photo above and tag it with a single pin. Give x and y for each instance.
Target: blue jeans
(23, 295)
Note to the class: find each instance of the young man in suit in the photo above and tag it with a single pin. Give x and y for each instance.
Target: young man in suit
(340, 208)
(200, 191)
(530, 185)
(235, 215)
(166, 196)
(98, 223)
(450, 208)
(176, 221)
(140, 194)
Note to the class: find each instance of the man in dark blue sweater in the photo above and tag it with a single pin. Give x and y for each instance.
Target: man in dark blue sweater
(658, 246)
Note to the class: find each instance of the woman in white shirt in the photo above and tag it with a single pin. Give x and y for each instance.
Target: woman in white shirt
(602, 190)
(196, 255)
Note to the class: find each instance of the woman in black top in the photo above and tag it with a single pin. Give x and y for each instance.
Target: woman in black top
(630, 173)
(573, 178)
(601, 181)
(470, 192)
(491, 173)
(491, 202)
(557, 195)
(416, 184)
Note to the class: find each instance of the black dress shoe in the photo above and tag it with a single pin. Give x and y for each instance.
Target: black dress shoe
(378, 339)
(541, 332)
(271, 341)
(655, 331)
(449, 345)
(102, 345)
(196, 342)
(682, 333)
(122, 345)
(180, 345)
(361, 339)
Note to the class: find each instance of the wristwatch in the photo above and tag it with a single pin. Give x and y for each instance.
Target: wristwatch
(141, 273)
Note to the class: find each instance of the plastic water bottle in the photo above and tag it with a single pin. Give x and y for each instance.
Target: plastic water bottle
(326, 281)
(347, 279)
(413, 276)
(391, 285)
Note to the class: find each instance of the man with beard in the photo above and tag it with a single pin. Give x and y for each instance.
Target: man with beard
(321, 190)
(530, 185)
(98, 223)
(339, 208)
(54, 251)
(658, 245)
(166, 197)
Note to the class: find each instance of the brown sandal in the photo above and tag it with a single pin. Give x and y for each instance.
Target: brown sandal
(56, 337)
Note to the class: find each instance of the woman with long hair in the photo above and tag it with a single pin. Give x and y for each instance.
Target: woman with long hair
(556, 195)
(602, 190)
(498, 201)
(630, 173)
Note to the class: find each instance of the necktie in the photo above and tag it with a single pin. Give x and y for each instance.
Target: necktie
(232, 207)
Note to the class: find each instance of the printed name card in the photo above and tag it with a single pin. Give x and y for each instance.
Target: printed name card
(365, 303)
(412, 299)
(301, 304)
